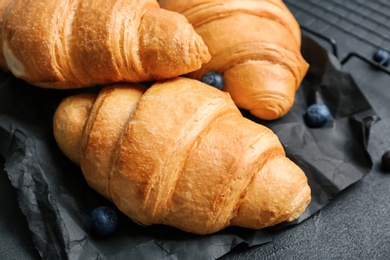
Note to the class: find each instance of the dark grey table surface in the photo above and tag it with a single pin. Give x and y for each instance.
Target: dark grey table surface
(354, 225)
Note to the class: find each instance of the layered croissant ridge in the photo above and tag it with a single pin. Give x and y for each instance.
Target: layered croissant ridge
(255, 44)
(81, 43)
(180, 154)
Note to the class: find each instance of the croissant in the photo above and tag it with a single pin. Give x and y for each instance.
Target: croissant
(180, 154)
(79, 43)
(255, 45)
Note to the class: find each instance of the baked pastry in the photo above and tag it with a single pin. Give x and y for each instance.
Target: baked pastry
(255, 45)
(80, 43)
(180, 154)
(3, 5)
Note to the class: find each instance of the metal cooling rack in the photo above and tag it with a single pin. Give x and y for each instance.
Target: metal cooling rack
(367, 25)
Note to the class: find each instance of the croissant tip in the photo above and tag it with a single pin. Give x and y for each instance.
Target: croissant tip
(68, 124)
(300, 203)
(272, 109)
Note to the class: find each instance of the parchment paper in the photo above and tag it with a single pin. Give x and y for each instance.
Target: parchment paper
(57, 201)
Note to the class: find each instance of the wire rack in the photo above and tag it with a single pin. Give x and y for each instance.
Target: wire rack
(366, 23)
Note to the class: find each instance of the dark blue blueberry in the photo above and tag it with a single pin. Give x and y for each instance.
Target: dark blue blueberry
(317, 115)
(386, 161)
(382, 57)
(104, 221)
(213, 79)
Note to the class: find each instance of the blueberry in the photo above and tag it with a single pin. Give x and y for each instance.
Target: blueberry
(213, 79)
(382, 57)
(386, 161)
(104, 221)
(317, 115)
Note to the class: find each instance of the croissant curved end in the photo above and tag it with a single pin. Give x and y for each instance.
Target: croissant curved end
(271, 109)
(300, 204)
(12, 62)
(278, 193)
(262, 88)
(68, 124)
(183, 49)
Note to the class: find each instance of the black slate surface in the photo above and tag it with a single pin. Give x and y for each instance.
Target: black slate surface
(355, 225)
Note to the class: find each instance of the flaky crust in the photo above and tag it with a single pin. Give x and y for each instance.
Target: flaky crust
(181, 154)
(81, 43)
(255, 44)
(4, 5)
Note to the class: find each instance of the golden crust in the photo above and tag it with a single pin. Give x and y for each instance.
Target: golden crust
(4, 4)
(69, 122)
(110, 113)
(255, 44)
(181, 154)
(81, 43)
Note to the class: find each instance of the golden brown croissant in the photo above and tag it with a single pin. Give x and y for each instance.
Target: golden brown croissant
(180, 154)
(79, 43)
(3, 5)
(255, 44)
